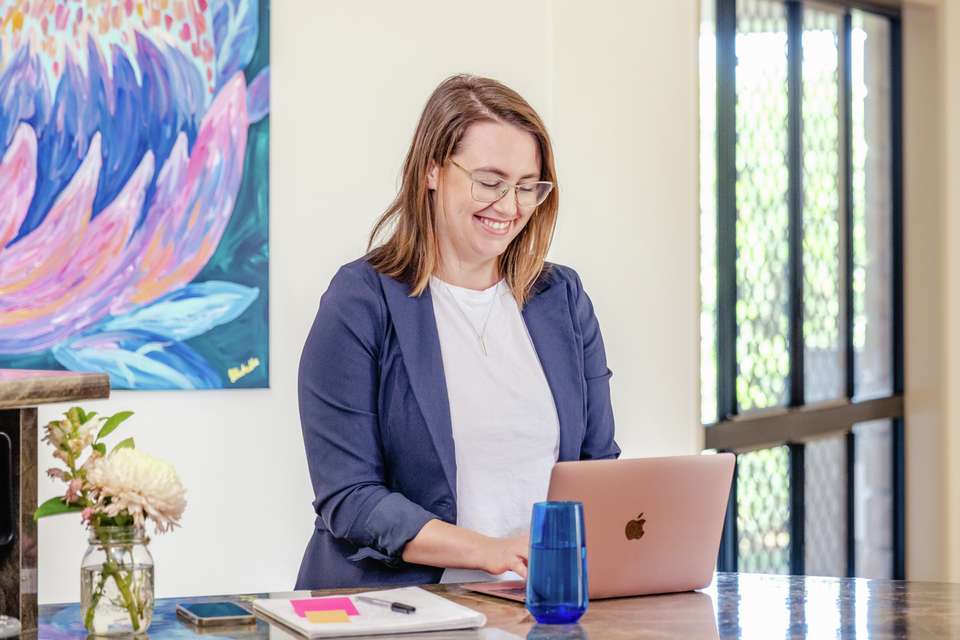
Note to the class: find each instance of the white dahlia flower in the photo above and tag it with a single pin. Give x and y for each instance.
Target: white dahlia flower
(143, 486)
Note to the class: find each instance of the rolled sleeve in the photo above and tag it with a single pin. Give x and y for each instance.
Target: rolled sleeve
(387, 526)
(338, 390)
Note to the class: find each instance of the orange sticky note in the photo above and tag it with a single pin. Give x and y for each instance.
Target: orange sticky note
(338, 615)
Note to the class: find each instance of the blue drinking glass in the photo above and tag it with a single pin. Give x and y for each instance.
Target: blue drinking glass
(557, 566)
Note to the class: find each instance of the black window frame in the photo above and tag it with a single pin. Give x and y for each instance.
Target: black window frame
(798, 421)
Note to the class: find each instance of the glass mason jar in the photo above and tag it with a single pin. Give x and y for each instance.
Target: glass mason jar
(116, 582)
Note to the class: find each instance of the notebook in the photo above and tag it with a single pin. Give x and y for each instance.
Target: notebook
(344, 616)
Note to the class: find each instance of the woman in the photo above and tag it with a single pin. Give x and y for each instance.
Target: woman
(448, 369)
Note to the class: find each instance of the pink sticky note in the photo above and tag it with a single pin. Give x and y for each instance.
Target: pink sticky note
(323, 604)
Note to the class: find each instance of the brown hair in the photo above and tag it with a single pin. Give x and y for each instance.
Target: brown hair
(410, 251)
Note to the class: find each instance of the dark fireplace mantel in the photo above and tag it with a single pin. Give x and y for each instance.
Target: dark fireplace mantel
(21, 391)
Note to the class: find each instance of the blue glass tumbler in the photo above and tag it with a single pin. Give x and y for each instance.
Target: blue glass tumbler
(557, 566)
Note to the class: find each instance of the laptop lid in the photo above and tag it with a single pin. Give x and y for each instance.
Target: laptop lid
(653, 525)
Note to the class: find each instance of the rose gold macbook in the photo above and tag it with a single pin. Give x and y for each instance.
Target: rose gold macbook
(652, 524)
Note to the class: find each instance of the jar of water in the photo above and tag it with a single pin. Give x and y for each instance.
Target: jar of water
(116, 582)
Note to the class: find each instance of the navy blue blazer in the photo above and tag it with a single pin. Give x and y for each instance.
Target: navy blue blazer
(376, 417)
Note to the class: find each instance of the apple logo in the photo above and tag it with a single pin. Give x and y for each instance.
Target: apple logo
(634, 529)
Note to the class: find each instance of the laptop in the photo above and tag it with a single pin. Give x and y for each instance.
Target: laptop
(653, 525)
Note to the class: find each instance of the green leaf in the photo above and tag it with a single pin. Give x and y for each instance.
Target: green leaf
(124, 444)
(112, 423)
(100, 448)
(55, 507)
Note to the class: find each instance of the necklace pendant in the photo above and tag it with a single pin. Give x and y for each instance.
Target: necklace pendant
(483, 345)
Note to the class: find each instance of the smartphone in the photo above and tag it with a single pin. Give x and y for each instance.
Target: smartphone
(215, 613)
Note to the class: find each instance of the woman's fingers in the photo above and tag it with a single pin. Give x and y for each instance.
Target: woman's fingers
(520, 568)
(522, 547)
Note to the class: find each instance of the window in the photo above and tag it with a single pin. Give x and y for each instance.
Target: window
(801, 282)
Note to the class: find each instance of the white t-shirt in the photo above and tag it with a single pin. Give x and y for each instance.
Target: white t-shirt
(505, 426)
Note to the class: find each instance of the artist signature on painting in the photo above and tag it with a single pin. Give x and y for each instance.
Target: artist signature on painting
(235, 373)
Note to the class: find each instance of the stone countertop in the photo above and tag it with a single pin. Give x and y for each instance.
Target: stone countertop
(733, 606)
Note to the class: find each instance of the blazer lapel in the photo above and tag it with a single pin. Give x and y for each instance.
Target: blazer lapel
(547, 315)
(416, 329)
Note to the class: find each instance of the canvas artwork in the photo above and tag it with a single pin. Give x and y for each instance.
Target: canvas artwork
(134, 140)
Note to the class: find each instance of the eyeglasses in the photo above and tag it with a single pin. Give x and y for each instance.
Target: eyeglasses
(489, 187)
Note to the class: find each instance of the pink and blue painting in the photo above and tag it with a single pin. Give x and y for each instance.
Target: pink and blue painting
(134, 165)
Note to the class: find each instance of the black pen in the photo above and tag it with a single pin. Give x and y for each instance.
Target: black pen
(399, 607)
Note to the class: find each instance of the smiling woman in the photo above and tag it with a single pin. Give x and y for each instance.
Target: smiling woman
(485, 130)
(458, 221)
(449, 369)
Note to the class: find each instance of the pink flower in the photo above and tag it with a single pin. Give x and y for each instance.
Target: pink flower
(73, 490)
(57, 474)
(91, 461)
(56, 433)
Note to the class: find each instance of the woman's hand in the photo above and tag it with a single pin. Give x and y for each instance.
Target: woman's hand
(440, 544)
(498, 555)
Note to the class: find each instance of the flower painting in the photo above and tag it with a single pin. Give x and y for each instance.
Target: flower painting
(133, 190)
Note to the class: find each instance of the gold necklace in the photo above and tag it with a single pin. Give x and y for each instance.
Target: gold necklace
(481, 335)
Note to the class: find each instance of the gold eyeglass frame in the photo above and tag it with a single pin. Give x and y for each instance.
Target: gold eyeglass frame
(504, 188)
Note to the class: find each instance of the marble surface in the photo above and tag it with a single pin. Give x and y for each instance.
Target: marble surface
(28, 388)
(733, 606)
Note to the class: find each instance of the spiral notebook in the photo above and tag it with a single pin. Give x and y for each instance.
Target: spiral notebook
(344, 616)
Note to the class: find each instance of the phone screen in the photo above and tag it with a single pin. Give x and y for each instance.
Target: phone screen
(208, 610)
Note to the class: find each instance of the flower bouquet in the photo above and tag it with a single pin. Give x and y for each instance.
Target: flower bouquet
(115, 492)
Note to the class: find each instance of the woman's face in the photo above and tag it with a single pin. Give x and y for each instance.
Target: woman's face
(474, 233)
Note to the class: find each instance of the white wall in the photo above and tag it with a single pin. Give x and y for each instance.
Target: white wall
(951, 240)
(932, 233)
(625, 122)
(924, 274)
(616, 82)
